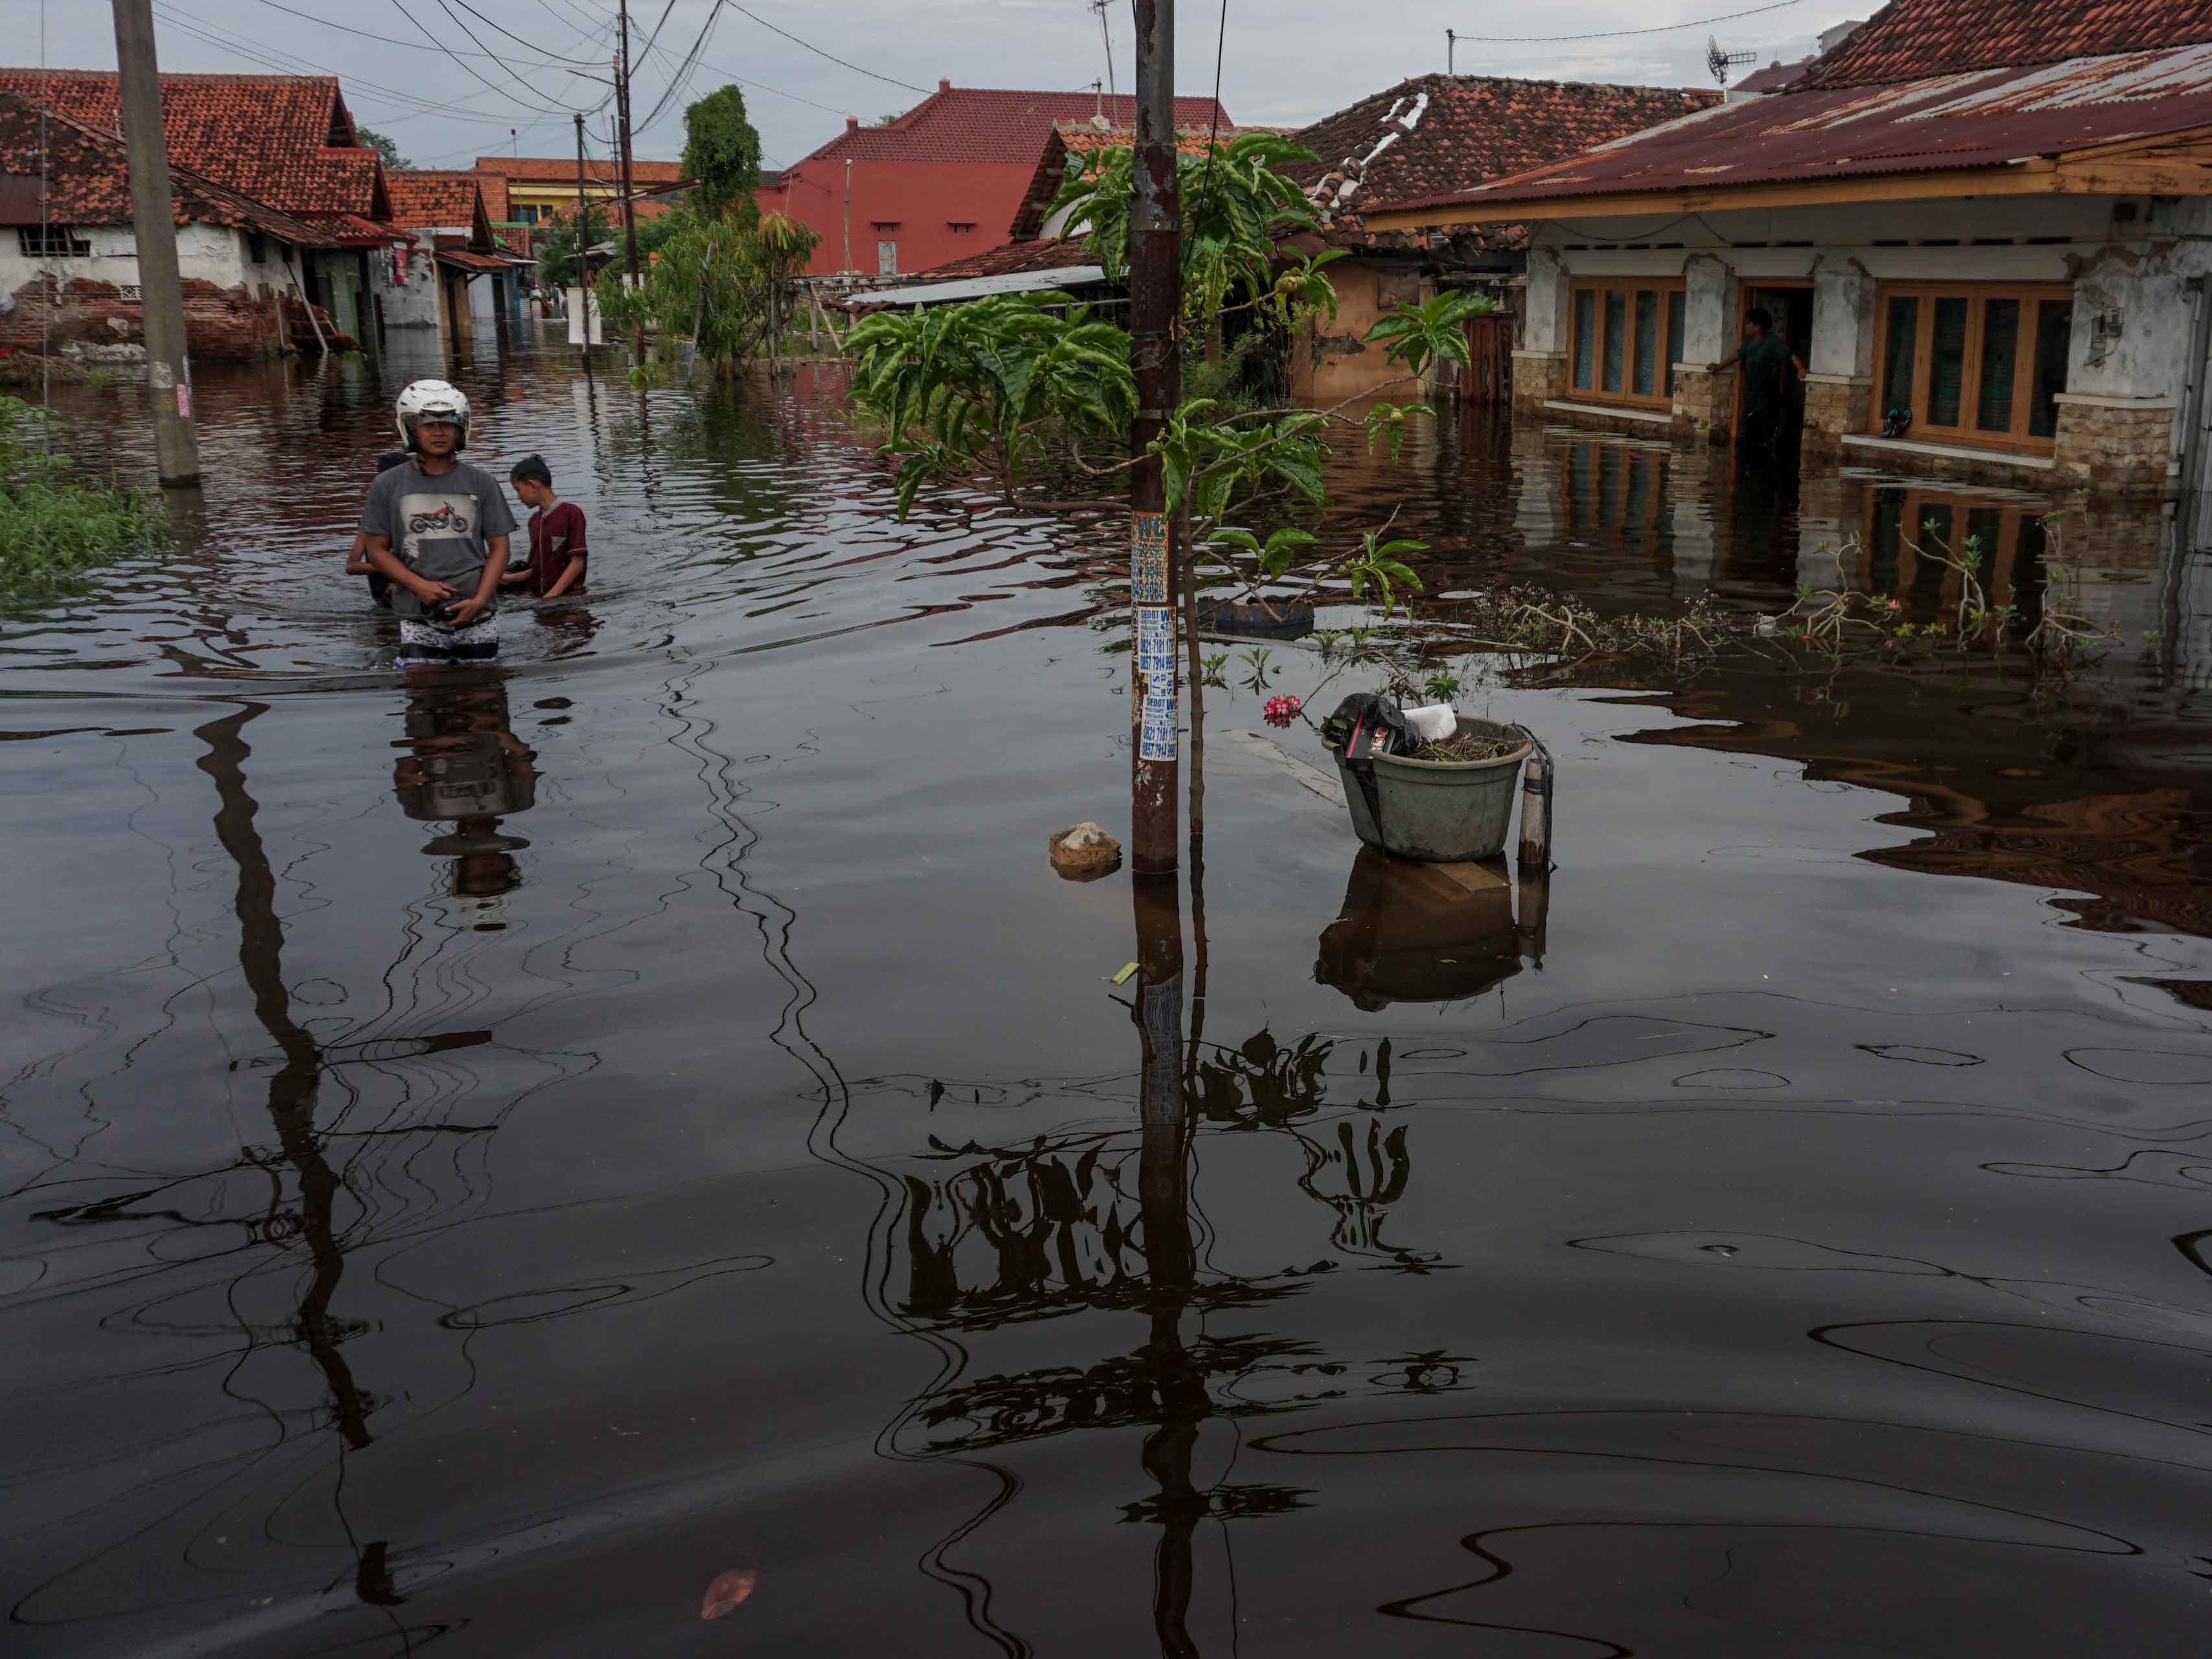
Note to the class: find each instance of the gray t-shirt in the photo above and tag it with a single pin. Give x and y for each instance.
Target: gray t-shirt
(438, 525)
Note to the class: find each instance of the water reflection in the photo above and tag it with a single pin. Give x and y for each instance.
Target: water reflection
(461, 764)
(1429, 932)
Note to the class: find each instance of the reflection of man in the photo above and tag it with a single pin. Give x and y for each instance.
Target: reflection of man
(461, 765)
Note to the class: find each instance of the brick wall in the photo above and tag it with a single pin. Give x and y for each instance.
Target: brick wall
(1538, 376)
(220, 324)
(1703, 404)
(2112, 448)
(1835, 404)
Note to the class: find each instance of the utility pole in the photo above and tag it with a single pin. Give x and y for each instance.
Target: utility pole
(583, 239)
(1451, 42)
(630, 207)
(161, 299)
(1156, 358)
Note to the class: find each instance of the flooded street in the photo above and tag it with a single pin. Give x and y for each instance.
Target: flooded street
(638, 1153)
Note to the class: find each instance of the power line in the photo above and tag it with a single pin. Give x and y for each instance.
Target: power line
(832, 56)
(688, 67)
(536, 103)
(409, 46)
(1620, 34)
(290, 62)
(494, 86)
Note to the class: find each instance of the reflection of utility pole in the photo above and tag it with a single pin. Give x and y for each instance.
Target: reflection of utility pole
(1170, 1257)
(154, 224)
(1155, 300)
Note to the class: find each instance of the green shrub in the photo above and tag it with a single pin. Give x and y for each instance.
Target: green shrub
(52, 525)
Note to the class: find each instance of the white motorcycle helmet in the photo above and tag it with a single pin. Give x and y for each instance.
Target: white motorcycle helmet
(433, 400)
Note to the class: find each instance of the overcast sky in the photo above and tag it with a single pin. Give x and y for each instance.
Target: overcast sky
(1287, 62)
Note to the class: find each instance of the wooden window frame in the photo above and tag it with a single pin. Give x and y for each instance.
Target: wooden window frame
(2015, 439)
(1662, 397)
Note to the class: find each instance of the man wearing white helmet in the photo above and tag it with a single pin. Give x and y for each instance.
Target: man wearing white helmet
(439, 527)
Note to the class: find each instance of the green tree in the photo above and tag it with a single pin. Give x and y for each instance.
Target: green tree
(721, 151)
(384, 147)
(725, 284)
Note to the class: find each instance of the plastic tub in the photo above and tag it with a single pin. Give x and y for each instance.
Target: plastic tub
(1438, 811)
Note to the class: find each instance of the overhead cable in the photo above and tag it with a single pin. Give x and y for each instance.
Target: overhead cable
(1620, 34)
(410, 45)
(831, 56)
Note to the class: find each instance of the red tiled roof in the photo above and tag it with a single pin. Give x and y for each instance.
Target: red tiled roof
(990, 125)
(1939, 125)
(1912, 39)
(538, 170)
(267, 136)
(494, 186)
(1065, 138)
(422, 197)
(461, 260)
(351, 230)
(1772, 78)
(89, 180)
(1008, 259)
(1438, 133)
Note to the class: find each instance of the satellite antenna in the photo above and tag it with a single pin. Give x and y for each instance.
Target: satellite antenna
(1721, 62)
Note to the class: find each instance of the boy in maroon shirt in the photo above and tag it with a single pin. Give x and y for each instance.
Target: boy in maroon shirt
(557, 553)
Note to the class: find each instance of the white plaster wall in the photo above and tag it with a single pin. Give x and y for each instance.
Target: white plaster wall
(415, 304)
(2141, 352)
(213, 253)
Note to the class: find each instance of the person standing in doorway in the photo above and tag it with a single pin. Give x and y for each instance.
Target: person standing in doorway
(1763, 358)
(438, 528)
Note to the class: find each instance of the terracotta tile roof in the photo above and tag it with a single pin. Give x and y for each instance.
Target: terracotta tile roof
(88, 179)
(990, 125)
(267, 135)
(540, 170)
(1939, 125)
(1049, 254)
(422, 197)
(1065, 138)
(462, 259)
(1438, 133)
(494, 186)
(1772, 78)
(1914, 39)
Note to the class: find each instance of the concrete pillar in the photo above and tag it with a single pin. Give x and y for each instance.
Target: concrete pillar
(1840, 380)
(1705, 405)
(1540, 363)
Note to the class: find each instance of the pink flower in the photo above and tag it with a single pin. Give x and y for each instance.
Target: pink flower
(1897, 605)
(1281, 711)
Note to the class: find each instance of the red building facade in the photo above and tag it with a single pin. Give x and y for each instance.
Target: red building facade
(942, 181)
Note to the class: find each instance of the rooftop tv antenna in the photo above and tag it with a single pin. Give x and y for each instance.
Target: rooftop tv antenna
(1723, 63)
(1099, 6)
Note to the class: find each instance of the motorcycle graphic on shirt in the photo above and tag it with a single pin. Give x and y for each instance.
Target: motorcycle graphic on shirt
(431, 519)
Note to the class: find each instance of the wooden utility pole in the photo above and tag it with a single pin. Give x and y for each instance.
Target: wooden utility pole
(583, 239)
(153, 213)
(1155, 302)
(630, 207)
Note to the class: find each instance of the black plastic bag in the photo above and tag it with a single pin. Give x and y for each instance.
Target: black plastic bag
(1365, 724)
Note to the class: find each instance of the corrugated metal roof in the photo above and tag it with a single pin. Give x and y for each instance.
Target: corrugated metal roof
(1983, 118)
(976, 287)
(1920, 38)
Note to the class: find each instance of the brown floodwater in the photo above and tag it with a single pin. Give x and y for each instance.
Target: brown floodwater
(637, 1152)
